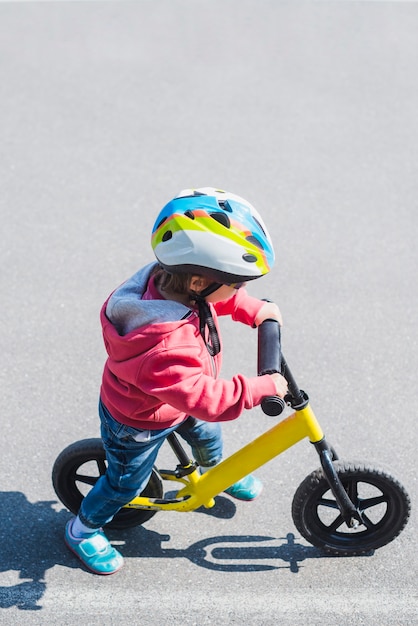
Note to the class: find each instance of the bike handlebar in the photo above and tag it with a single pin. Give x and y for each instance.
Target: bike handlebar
(269, 361)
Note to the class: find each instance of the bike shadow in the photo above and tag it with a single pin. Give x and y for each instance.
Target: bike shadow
(31, 539)
(232, 553)
(224, 553)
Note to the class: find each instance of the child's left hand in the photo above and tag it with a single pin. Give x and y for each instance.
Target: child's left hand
(269, 311)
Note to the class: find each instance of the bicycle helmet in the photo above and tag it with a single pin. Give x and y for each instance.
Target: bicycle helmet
(213, 233)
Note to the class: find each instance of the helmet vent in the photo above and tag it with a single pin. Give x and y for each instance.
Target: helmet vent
(222, 219)
(224, 204)
(189, 214)
(167, 235)
(250, 258)
(255, 241)
(259, 225)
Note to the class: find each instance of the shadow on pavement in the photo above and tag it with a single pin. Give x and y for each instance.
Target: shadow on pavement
(226, 553)
(31, 539)
(28, 546)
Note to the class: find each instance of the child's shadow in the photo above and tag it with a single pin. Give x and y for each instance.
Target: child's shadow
(28, 546)
(32, 542)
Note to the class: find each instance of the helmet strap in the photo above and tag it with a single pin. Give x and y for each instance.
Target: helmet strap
(210, 289)
(206, 320)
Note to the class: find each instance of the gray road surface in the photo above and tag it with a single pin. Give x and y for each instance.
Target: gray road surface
(309, 109)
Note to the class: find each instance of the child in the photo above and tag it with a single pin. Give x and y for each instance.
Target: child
(164, 355)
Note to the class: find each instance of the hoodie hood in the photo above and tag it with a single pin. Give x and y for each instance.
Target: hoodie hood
(127, 311)
(132, 325)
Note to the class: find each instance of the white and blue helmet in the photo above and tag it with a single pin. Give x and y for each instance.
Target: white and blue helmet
(213, 233)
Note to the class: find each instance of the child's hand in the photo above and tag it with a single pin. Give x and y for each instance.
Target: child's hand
(269, 311)
(281, 384)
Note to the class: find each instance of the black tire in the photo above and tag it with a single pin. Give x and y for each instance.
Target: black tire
(381, 499)
(78, 468)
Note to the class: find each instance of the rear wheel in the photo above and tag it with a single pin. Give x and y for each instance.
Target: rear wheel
(78, 468)
(381, 499)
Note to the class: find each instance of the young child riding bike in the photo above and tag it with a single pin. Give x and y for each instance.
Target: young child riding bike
(161, 334)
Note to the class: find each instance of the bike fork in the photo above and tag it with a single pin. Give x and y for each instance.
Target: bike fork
(349, 512)
(299, 400)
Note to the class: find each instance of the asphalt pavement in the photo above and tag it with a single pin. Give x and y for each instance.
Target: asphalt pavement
(309, 110)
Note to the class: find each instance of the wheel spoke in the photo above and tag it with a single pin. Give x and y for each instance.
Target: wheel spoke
(101, 466)
(88, 480)
(331, 504)
(336, 523)
(352, 491)
(369, 502)
(367, 522)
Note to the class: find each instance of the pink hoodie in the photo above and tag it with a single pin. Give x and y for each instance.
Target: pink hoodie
(159, 370)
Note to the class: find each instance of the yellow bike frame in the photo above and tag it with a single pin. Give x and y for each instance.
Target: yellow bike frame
(199, 490)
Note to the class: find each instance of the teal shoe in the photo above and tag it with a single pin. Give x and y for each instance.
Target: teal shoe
(247, 488)
(95, 552)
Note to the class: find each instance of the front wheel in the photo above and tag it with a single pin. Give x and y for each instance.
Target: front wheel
(382, 501)
(79, 467)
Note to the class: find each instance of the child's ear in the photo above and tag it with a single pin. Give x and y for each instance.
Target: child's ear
(198, 283)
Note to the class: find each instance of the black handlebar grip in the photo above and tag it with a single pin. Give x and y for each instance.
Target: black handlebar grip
(269, 357)
(272, 405)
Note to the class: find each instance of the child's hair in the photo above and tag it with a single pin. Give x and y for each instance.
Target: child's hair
(179, 283)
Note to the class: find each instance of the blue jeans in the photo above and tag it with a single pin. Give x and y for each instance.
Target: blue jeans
(131, 454)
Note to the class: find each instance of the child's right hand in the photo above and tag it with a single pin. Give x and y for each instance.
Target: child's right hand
(281, 384)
